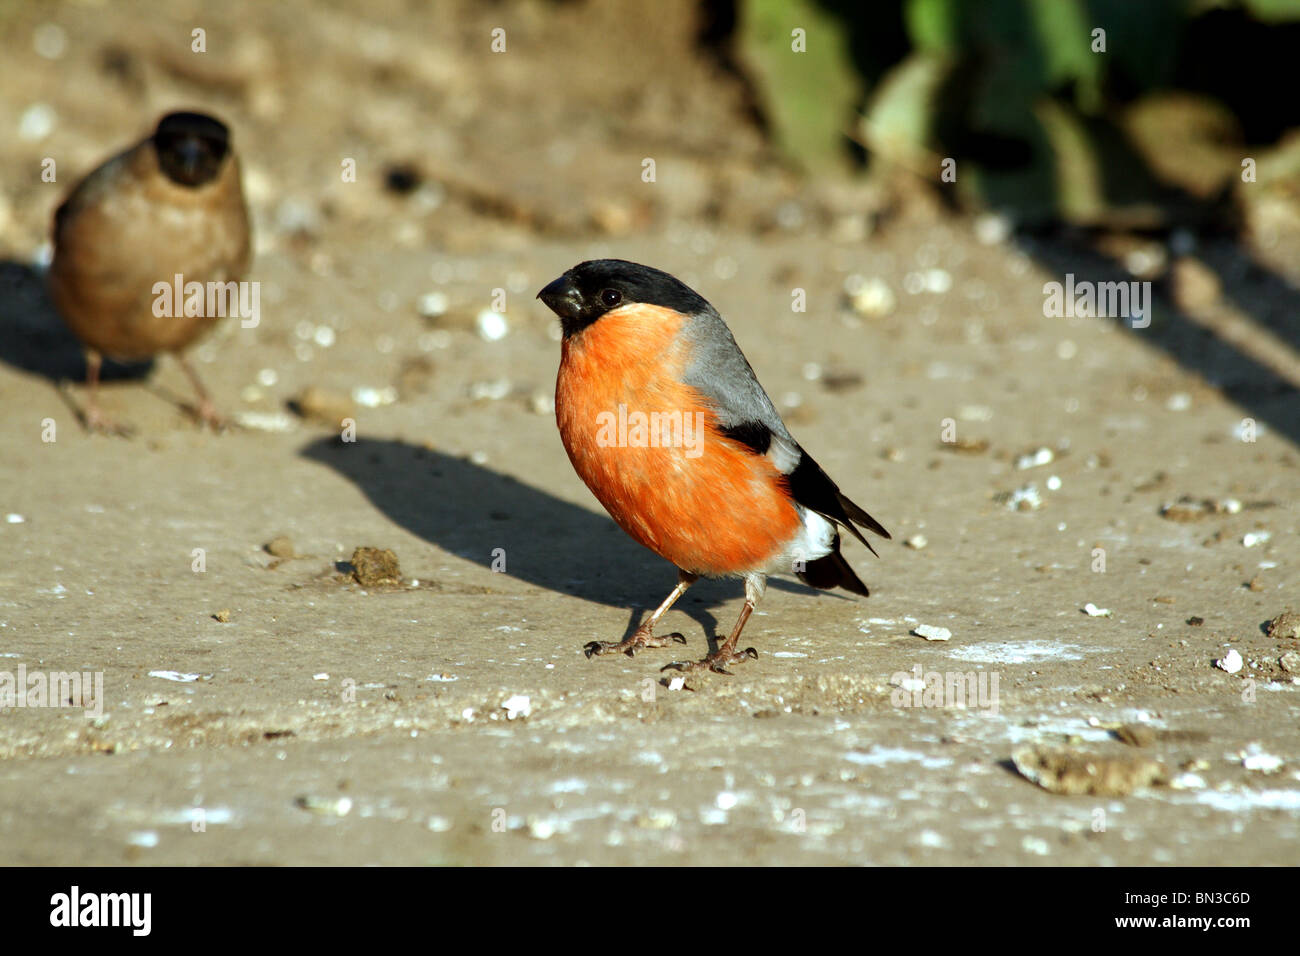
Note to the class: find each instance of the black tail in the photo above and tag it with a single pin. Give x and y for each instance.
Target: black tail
(862, 518)
(813, 488)
(832, 571)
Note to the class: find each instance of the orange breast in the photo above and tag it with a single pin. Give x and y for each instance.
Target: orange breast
(647, 447)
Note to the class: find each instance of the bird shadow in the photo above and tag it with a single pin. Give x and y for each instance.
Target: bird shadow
(1265, 298)
(487, 516)
(35, 339)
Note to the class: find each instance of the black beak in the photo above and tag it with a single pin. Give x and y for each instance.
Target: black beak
(562, 299)
(187, 159)
(191, 153)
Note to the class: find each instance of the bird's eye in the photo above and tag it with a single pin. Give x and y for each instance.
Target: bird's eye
(611, 298)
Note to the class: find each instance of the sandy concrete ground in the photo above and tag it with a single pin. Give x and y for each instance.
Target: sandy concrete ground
(323, 722)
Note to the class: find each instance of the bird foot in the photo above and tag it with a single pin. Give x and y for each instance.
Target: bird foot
(95, 420)
(716, 662)
(641, 637)
(207, 414)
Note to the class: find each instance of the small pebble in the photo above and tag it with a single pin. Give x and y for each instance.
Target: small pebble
(517, 706)
(1043, 456)
(540, 829)
(37, 122)
(325, 806)
(49, 40)
(175, 676)
(1035, 845)
(1241, 431)
(938, 281)
(870, 298)
(432, 304)
(992, 228)
(374, 397)
(975, 413)
(492, 391)
(1230, 662)
(1188, 781)
(1255, 758)
(492, 326)
(656, 820)
(931, 632)
(266, 421)
(281, 546)
(1027, 498)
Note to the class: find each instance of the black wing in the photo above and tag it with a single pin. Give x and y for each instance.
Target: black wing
(813, 488)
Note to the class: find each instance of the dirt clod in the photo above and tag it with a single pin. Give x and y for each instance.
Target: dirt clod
(323, 405)
(281, 546)
(1285, 626)
(374, 567)
(1187, 508)
(1076, 774)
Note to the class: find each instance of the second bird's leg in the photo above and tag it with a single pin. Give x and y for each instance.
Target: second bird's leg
(726, 653)
(93, 417)
(644, 635)
(206, 412)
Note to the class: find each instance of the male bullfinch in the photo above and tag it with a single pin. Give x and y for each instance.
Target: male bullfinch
(172, 205)
(645, 362)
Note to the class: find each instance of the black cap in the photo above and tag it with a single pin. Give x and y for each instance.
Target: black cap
(191, 147)
(590, 289)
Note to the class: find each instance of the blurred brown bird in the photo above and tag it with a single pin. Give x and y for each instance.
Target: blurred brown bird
(170, 206)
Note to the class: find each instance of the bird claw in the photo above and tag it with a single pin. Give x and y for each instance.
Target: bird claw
(716, 662)
(207, 415)
(96, 421)
(630, 646)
